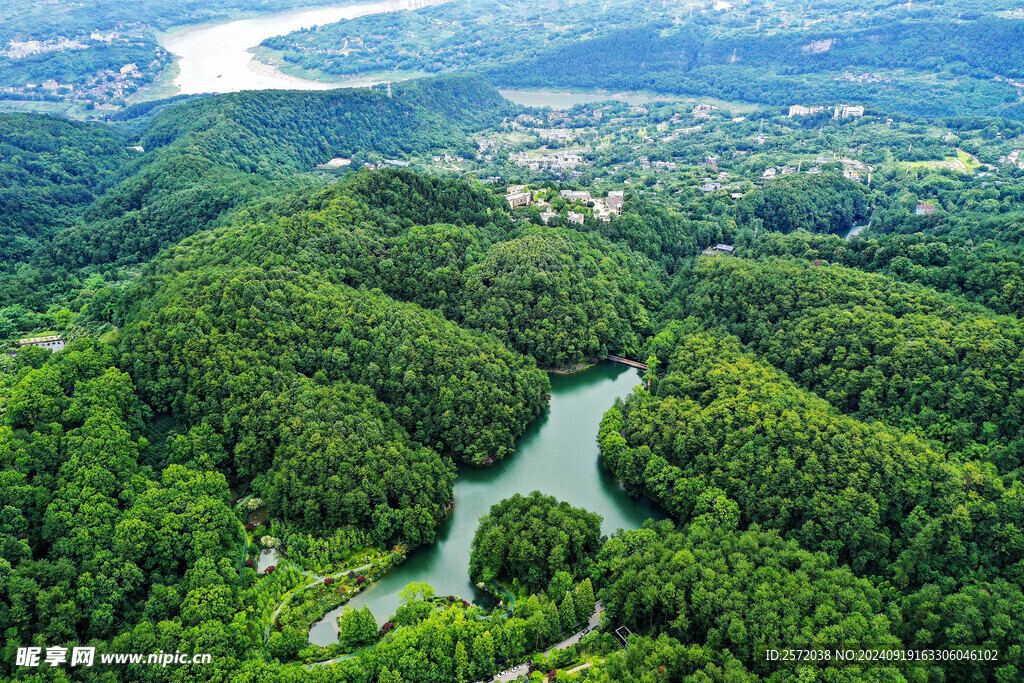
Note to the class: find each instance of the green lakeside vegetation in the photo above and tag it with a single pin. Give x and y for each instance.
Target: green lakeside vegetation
(833, 426)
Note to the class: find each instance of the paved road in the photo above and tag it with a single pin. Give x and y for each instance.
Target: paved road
(521, 669)
(287, 596)
(595, 619)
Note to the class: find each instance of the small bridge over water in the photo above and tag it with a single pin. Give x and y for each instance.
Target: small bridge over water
(625, 361)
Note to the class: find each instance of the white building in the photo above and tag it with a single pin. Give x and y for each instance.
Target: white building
(844, 111)
(517, 199)
(800, 110)
(572, 195)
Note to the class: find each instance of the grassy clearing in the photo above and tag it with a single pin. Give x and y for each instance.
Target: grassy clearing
(962, 162)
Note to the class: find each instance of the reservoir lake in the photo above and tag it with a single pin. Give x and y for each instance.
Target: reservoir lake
(557, 455)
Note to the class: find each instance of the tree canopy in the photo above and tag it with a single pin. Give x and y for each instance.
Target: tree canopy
(532, 538)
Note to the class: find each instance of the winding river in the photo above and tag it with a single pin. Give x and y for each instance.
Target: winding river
(216, 57)
(558, 455)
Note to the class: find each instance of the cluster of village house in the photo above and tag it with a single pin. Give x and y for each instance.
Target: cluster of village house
(1014, 158)
(864, 78)
(19, 49)
(603, 208)
(99, 87)
(556, 162)
(852, 169)
(341, 162)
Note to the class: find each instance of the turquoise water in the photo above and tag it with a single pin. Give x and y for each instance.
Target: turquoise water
(558, 455)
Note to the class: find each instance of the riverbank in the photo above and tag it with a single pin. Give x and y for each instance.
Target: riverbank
(221, 56)
(267, 57)
(572, 369)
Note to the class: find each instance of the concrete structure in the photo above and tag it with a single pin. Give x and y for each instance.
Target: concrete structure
(51, 343)
(517, 199)
(925, 209)
(614, 202)
(547, 162)
(336, 162)
(571, 195)
(845, 111)
(800, 110)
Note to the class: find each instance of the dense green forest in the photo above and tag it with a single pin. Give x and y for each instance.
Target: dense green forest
(275, 374)
(555, 296)
(722, 437)
(456, 34)
(874, 347)
(532, 539)
(94, 541)
(978, 257)
(205, 158)
(739, 592)
(825, 203)
(924, 67)
(342, 460)
(50, 170)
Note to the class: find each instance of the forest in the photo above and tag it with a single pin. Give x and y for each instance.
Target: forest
(203, 158)
(269, 361)
(875, 348)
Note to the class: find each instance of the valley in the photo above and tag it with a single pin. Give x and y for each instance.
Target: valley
(565, 342)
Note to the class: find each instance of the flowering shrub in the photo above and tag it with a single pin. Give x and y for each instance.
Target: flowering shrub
(328, 581)
(360, 579)
(250, 562)
(270, 569)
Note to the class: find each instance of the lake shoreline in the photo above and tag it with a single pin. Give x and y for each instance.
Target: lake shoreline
(558, 454)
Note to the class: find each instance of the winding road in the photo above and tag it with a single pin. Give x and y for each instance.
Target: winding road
(521, 669)
(318, 580)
